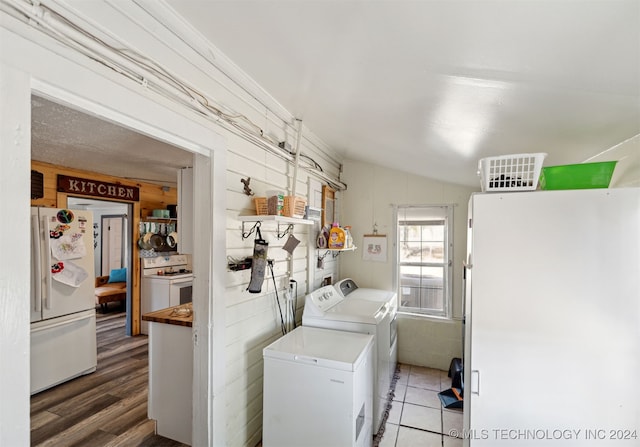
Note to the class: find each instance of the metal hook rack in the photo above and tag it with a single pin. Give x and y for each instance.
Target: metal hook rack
(288, 230)
(289, 221)
(251, 231)
(335, 253)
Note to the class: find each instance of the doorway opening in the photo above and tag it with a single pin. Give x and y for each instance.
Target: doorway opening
(96, 145)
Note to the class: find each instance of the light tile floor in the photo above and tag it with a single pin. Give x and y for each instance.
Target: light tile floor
(417, 417)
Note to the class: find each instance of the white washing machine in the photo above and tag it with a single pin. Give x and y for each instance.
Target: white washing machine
(315, 394)
(326, 308)
(348, 289)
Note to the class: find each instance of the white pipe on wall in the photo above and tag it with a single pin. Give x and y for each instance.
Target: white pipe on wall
(297, 157)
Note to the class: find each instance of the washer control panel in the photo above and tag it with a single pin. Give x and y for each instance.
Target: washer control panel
(325, 298)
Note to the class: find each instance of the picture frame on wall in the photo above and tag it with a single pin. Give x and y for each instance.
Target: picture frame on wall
(374, 247)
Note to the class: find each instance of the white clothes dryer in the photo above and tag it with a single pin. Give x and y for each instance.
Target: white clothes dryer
(348, 289)
(318, 389)
(326, 308)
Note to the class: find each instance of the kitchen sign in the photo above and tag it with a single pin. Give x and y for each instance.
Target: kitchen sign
(96, 188)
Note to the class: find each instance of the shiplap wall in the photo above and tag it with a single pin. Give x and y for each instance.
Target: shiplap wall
(253, 320)
(249, 319)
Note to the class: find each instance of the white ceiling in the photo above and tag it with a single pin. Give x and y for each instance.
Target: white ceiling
(430, 87)
(65, 136)
(425, 86)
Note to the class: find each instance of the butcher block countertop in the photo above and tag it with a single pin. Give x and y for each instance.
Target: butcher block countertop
(181, 315)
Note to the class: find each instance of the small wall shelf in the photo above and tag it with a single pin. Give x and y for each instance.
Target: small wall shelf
(335, 252)
(164, 219)
(290, 221)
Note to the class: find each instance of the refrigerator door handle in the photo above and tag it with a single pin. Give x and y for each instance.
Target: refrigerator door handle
(47, 274)
(37, 262)
(60, 323)
(475, 382)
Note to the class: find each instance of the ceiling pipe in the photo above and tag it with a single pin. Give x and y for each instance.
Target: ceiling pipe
(297, 158)
(336, 184)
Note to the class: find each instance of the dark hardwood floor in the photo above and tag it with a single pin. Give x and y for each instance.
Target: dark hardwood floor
(107, 407)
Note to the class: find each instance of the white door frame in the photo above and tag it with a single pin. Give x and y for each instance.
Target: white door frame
(26, 68)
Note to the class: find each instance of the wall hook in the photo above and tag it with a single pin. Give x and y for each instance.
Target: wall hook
(245, 182)
(289, 229)
(251, 231)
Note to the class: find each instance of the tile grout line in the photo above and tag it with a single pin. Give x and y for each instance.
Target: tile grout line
(440, 408)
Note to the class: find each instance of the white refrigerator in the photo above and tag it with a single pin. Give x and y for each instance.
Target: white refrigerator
(552, 335)
(63, 320)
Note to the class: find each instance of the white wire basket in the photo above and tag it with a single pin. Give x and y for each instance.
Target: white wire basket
(517, 172)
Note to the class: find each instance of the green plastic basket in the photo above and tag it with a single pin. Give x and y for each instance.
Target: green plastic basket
(578, 176)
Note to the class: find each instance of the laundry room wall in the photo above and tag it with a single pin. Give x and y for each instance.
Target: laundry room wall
(373, 190)
(250, 320)
(253, 319)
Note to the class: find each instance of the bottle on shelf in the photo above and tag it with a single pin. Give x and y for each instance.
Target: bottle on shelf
(348, 239)
(336, 238)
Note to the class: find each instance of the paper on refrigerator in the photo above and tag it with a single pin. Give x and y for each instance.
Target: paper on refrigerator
(68, 273)
(68, 246)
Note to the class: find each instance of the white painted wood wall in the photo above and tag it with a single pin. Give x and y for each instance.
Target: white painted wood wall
(253, 320)
(239, 324)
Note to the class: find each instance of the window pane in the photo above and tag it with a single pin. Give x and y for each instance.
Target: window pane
(410, 252)
(433, 233)
(422, 287)
(431, 288)
(410, 233)
(423, 243)
(433, 252)
(410, 286)
(428, 273)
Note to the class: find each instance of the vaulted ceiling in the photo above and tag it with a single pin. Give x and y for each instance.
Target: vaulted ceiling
(424, 86)
(431, 86)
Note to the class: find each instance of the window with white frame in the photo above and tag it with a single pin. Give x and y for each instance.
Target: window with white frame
(424, 259)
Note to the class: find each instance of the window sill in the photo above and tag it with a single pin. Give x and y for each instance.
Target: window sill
(434, 318)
